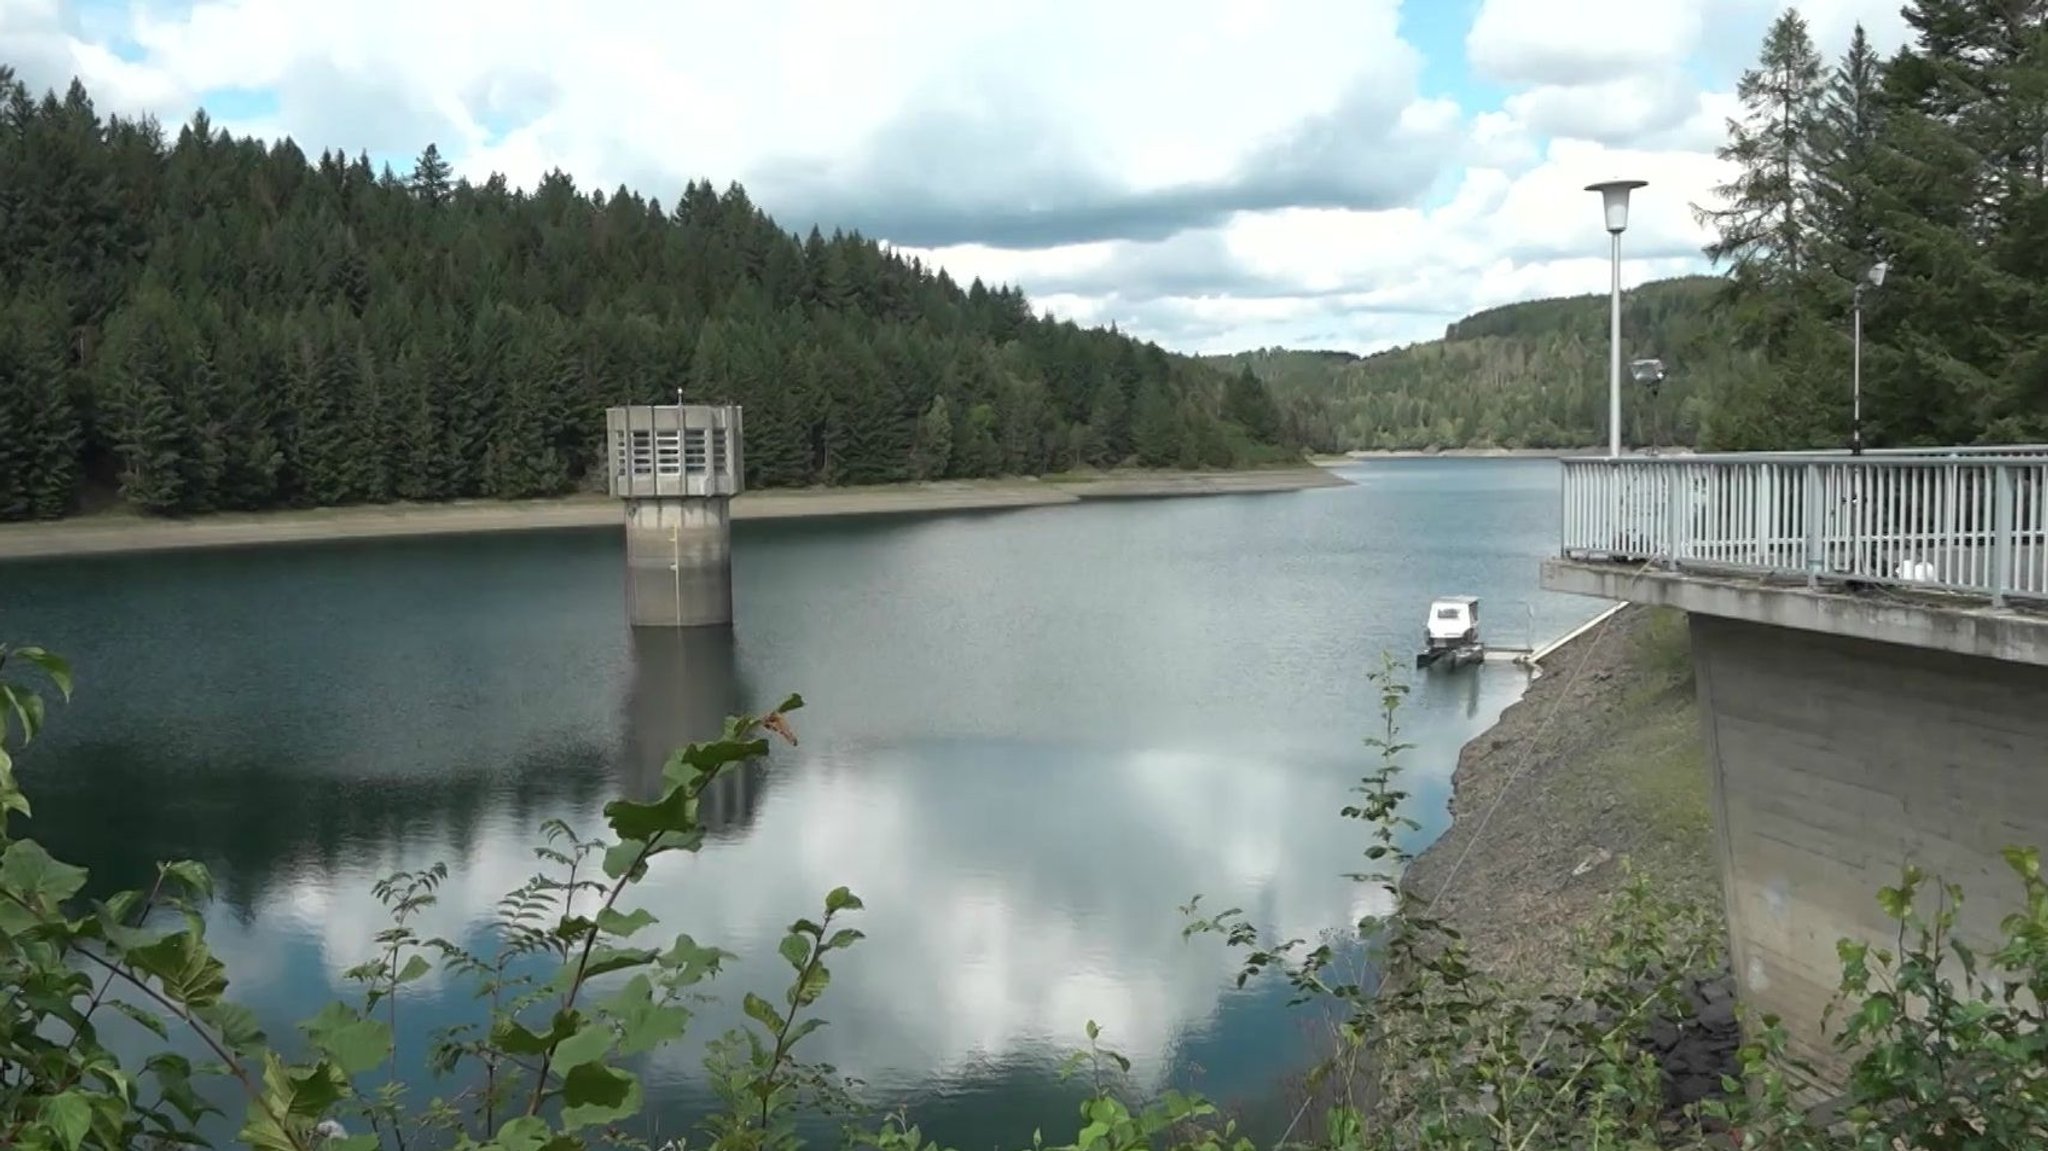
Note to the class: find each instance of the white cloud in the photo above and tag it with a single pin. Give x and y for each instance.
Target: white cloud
(1005, 947)
(1209, 173)
(1548, 42)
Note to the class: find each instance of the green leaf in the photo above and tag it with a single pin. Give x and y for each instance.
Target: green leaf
(30, 872)
(692, 962)
(672, 813)
(1895, 902)
(69, 1117)
(620, 856)
(608, 959)
(796, 949)
(28, 709)
(645, 1023)
(2025, 861)
(526, 1133)
(841, 899)
(590, 1042)
(289, 1093)
(516, 1039)
(802, 1029)
(532, 1133)
(355, 1045)
(651, 1026)
(707, 758)
(183, 966)
(415, 968)
(237, 1025)
(845, 937)
(52, 665)
(593, 1093)
(762, 1011)
(611, 921)
(815, 981)
(11, 798)
(142, 1016)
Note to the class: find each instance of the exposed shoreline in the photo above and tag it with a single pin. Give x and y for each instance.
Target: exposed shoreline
(111, 533)
(1358, 454)
(1600, 760)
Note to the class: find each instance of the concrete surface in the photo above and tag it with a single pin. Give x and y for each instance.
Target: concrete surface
(1848, 736)
(679, 562)
(1932, 623)
(1834, 762)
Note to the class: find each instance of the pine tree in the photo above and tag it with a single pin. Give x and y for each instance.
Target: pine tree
(1157, 429)
(139, 392)
(934, 448)
(39, 453)
(1768, 232)
(976, 452)
(1842, 184)
(1247, 403)
(430, 177)
(1763, 229)
(1946, 333)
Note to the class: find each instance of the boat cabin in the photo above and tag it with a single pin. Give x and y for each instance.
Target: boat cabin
(1453, 622)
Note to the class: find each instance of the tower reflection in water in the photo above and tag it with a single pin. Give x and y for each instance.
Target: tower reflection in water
(686, 681)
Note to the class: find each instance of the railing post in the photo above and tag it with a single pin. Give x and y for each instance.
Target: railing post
(1813, 509)
(2001, 537)
(1674, 513)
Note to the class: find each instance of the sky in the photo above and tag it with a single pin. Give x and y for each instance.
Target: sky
(1215, 175)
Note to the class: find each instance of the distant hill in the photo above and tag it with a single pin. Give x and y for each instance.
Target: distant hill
(1525, 375)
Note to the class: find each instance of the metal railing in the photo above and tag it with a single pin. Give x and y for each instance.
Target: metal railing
(1971, 521)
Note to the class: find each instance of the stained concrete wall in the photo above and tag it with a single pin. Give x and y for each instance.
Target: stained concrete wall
(1837, 760)
(678, 562)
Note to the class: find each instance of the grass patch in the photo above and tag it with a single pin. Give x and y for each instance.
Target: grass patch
(1663, 652)
(1658, 756)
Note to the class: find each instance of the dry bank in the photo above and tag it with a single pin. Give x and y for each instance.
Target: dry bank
(115, 532)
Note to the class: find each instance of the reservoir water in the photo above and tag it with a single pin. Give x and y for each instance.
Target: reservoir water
(1031, 736)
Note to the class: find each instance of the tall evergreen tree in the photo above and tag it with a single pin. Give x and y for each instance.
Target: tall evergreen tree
(39, 449)
(1842, 184)
(1763, 227)
(431, 177)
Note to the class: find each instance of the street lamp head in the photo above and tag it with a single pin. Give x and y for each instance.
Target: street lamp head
(1614, 199)
(1876, 273)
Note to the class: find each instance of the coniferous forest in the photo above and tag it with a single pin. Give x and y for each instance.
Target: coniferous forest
(201, 323)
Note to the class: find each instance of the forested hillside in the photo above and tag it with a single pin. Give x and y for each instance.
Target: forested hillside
(1934, 162)
(208, 323)
(1527, 375)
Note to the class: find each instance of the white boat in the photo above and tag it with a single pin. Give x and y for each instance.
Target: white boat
(1451, 632)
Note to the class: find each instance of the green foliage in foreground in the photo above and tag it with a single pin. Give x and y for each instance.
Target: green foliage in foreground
(1436, 1056)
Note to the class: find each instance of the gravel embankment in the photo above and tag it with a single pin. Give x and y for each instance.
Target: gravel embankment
(1601, 759)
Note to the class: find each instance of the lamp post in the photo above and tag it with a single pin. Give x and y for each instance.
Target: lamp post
(1614, 200)
(1874, 278)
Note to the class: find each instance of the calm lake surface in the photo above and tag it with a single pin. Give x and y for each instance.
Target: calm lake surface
(1031, 736)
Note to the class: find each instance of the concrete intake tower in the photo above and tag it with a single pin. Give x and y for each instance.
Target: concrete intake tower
(677, 467)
